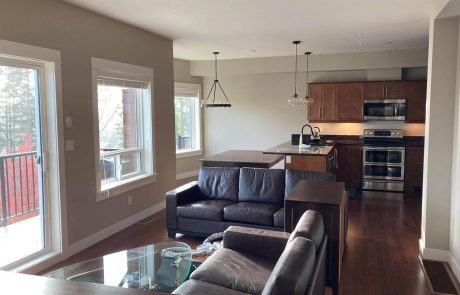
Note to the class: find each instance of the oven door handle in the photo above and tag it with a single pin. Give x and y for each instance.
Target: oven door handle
(395, 149)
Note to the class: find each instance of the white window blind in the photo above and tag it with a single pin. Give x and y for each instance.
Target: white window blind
(105, 81)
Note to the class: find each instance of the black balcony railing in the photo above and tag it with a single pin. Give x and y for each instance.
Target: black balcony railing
(19, 195)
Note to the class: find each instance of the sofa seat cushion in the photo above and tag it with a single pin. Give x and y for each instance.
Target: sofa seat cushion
(204, 209)
(262, 185)
(278, 218)
(204, 288)
(235, 270)
(249, 212)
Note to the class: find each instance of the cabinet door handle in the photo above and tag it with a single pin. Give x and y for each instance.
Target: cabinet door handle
(386, 90)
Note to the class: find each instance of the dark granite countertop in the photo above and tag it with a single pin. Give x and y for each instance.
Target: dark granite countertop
(287, 148)
(357, 139)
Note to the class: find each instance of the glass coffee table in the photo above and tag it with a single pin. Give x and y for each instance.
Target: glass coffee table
(161, 267)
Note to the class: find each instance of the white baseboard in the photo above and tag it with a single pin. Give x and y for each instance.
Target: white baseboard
(188, 174)
(111, 230)
(440, 255)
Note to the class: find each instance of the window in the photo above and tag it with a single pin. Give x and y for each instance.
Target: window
(123, 104)
(188, 119)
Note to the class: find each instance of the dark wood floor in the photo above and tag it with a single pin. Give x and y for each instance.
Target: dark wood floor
(382, 245)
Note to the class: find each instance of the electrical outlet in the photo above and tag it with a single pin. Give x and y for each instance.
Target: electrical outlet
(130, 200)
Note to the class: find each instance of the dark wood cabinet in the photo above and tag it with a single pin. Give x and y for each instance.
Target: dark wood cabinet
(350, 101)
(344, 102)
(349, 164)
(324, 106)
(415, 95)
(329, 102)
(383, 90)
(413, 178)
(314, 109)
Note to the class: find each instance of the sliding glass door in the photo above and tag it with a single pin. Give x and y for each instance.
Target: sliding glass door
(23, 214)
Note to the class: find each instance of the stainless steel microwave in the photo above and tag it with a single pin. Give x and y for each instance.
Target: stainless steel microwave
(385, 109)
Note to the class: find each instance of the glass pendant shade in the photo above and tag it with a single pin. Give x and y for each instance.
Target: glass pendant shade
(296, 99)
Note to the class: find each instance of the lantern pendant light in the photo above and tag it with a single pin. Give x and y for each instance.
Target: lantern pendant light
(211, 102)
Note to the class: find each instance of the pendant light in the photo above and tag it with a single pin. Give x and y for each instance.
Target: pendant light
(307, 99)
(296, 99)
(211, 102)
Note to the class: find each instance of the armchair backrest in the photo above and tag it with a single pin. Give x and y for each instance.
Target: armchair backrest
(309, 226)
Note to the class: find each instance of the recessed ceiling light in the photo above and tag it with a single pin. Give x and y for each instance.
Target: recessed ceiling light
(394, 49)
(253, 50)
(389, 42)
(358, 35)
(359, 44)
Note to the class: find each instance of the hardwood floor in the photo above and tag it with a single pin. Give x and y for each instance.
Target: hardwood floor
(382, 245)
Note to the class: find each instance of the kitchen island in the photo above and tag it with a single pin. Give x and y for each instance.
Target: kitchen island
(242, 158)
(321, 158)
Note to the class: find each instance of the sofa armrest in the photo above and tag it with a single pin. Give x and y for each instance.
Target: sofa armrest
(182, 195)
(267, 243)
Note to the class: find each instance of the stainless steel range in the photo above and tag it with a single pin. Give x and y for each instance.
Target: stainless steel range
(383, 160)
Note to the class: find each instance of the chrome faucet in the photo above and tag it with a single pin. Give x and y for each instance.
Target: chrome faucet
(301, 144)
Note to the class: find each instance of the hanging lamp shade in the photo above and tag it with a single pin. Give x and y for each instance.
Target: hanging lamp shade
(307, 99)
(210, 101)
(296, 99)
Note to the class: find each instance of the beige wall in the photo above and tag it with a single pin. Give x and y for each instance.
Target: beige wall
(455, 207)
(80, 35)
(189, 164)
(260, 116)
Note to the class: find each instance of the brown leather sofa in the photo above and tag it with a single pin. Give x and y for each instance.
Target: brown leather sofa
(258, 261)
(227, 196)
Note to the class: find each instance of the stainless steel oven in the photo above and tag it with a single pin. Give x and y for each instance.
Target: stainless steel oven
(385, 109)
(383, 160)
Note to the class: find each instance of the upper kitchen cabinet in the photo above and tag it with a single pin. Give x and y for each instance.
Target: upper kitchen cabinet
(383, 90)
(314, 109)
(324, 106)
(415, 95)
(350, 101)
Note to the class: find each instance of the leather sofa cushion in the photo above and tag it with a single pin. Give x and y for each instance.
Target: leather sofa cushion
(293, 271)
(219, 183)
(294, 176)
(310, 226)
(235, 270)
(262, 185)
(205, 209)
(257, 213)
(194, 287)
(278, 218)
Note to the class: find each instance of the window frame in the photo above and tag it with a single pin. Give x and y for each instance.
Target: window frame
(198, 121)
(101, 68)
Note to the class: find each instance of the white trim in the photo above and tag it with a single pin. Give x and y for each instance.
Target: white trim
(113, 229)
(102, 67)
(189, 153)
(188, 174)
(440, 255)
(19, 50)
(127, 185)
(52, 140)
(187, 85)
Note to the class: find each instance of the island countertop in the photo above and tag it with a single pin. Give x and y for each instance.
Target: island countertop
(287, 148)
(241, 158)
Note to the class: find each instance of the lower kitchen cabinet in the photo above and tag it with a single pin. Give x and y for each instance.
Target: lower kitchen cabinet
(349, 164)
(413, 178)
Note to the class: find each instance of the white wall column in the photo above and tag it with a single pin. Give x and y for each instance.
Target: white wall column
(439, 133)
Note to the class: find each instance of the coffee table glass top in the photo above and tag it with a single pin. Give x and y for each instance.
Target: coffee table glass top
(162, 267)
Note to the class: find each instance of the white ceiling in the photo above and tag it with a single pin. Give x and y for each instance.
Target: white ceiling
(236, 27)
